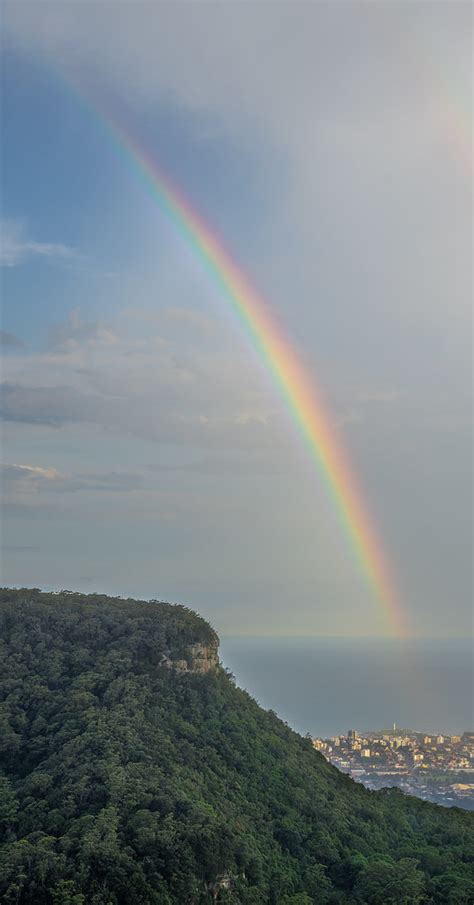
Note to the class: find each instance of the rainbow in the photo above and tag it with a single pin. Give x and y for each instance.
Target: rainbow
(295, 385)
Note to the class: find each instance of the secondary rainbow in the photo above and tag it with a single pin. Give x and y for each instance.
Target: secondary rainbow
(298, 390)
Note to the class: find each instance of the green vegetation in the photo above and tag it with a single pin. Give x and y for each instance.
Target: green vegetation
(126, 782)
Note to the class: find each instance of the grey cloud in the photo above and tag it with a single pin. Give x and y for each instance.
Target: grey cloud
(107, 482)
(12, 472)
(9, 340)
(20, 548)
(48, 405)
(270, 64)
(350, 104)
(31, 510)
(27, 479)
(194, 321)
(250, 462)
(142, 416)
(158, 390)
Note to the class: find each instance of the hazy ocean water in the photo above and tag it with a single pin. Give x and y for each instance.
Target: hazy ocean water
(326, 686)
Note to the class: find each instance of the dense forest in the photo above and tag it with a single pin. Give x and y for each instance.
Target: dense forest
(134, 772)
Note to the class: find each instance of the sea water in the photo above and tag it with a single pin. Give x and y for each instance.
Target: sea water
(325, 686)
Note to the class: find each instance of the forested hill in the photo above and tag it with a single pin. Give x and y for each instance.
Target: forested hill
(133, 771)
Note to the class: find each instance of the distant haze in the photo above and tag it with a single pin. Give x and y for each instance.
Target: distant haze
(327, 686)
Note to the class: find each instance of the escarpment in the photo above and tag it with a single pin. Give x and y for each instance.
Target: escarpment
(133, 771)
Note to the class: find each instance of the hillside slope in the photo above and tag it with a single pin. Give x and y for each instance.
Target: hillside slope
(133, 771)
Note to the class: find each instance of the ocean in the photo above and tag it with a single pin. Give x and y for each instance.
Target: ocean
(326, 686)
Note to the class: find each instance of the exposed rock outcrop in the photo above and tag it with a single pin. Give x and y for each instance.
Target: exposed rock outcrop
(202, 659)
(205, 657)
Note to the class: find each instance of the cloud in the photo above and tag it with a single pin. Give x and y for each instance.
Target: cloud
(356, 407)
(16, 247)
(382, 396)
(9, 340)
(27, 480)
(289, 76)
(47, 405)
(279, 47)
(15, 473)
(35, 491)
(141, 415)
(75, 332)
(228, 465)
(192, 320)
(101, 482)
(209, 395)
(350, 113)
(33, 509)
(20, 548)
(24, 488)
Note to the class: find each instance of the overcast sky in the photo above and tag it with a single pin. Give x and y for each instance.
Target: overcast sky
(145, 449)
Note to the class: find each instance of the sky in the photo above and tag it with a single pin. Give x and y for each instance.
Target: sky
(146, 450)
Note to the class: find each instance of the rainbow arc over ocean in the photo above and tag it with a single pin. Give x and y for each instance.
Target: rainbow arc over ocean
(295, 385)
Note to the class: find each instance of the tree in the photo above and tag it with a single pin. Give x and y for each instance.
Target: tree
(385, 882)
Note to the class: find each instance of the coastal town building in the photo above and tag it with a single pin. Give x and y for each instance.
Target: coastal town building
(437, 768)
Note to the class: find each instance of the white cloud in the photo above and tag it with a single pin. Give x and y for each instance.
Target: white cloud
(16, 247)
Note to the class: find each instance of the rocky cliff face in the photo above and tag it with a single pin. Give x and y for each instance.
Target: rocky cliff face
(205, 657)
(202, 659)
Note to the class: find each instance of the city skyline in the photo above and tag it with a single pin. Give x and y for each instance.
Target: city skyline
(436, 767)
